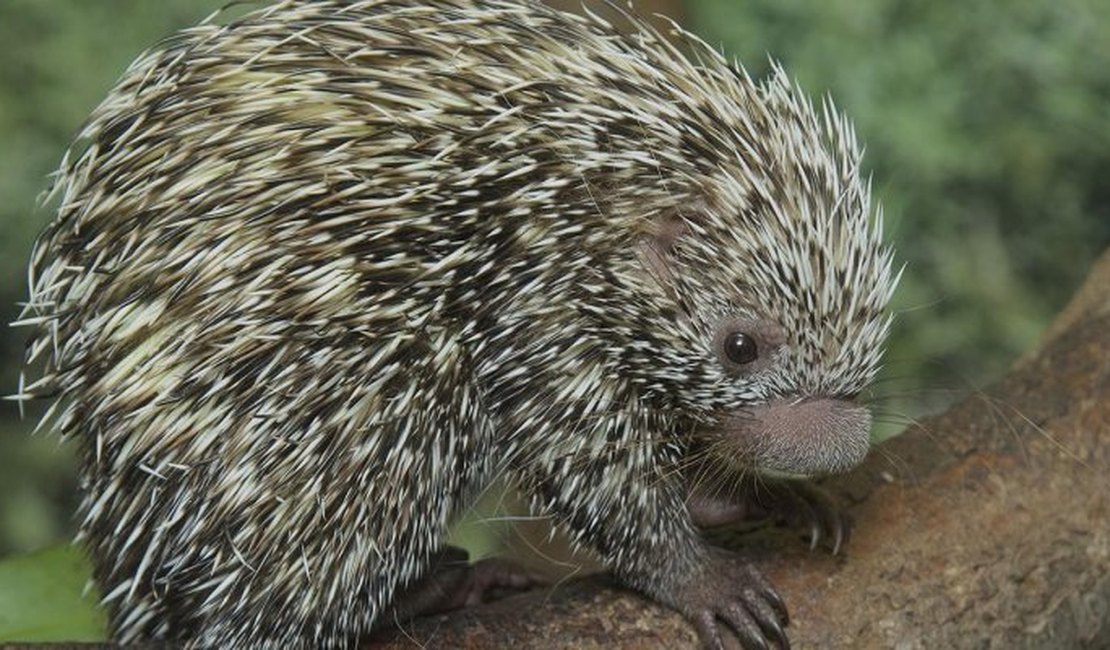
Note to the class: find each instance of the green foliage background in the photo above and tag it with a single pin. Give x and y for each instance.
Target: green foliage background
(58, 58)
(987, 125)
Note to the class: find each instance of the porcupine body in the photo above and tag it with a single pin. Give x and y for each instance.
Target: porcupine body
(319, 275)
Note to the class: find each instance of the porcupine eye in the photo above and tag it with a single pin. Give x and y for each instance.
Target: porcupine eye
(741, 348)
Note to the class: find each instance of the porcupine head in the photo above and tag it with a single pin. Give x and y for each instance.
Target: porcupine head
(304, 297)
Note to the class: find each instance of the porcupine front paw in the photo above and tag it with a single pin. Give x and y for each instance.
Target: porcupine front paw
(798, 504)
(732, 591)
(453, 582)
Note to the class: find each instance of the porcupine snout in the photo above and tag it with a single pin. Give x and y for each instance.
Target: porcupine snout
(804, 436)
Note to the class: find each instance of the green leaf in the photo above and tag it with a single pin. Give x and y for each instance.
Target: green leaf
(42, 599)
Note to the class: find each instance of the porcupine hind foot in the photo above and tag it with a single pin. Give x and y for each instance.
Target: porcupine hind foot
(453, 582)
(797, 504)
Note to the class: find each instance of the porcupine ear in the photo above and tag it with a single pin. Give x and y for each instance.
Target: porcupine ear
(655, 246)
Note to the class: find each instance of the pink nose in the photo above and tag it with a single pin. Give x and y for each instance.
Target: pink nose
(807, 436)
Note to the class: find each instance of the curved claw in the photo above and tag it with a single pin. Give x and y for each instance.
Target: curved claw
(805, 505)
(772, 596)
(766, 592)
(768, 620)
(746, 627)
(844, 532)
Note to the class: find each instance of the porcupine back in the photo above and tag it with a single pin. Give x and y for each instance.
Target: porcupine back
(300, 259)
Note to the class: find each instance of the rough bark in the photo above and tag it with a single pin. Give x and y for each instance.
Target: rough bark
(985, 527)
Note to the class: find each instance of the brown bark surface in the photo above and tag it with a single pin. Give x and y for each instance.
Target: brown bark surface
(985, 527)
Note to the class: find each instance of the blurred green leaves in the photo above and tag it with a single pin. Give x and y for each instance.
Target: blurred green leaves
(42, 598)
(58, 60)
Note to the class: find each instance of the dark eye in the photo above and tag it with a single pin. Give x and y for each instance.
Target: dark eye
(741, 348)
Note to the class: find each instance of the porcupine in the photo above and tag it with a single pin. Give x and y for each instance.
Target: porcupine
(320, 274)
